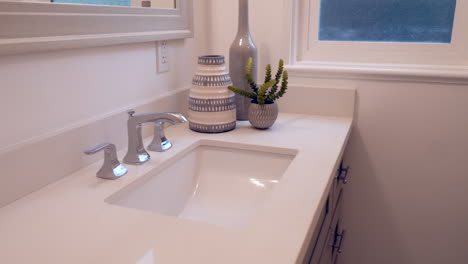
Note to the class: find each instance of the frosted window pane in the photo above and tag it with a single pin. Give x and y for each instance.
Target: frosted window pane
(96, 2)
(387, 20)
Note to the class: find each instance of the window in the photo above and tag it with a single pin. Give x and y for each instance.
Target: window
(420, 32)
(387, 20)
(129, 3)
(96, 2)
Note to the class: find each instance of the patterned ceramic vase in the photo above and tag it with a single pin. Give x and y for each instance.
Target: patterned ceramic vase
(212, 106)
(263, 116)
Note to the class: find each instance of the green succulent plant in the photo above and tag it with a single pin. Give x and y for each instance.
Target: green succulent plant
(271, 90)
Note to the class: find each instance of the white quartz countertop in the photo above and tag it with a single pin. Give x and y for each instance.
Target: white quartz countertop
(69, 221)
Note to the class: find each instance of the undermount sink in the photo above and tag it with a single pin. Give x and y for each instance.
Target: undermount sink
(214, 182)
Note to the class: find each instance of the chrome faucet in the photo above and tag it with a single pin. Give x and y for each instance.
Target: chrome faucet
(160, 143)
(111, 168)
(136, 153)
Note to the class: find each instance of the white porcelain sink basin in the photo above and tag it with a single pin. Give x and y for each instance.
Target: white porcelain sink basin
(214, 182)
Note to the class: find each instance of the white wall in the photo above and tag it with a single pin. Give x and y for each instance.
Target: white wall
(406, 202)
(406, 199)
(46, 93)
(268, 19)
(54, 105)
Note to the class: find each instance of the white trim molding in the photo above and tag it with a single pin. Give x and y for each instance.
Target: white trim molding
(383, 72)
(31, 27)
(433, 63)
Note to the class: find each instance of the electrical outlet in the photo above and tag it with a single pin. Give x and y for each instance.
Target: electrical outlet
(163, 56)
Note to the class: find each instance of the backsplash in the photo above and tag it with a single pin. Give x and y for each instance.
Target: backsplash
(32, 166)
(55, 157)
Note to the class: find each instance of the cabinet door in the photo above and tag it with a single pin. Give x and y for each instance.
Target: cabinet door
(326, 235)
(319, 235)
(327, 254)
(336, 259)
(321, 243)
(333, 239)
(338, 243)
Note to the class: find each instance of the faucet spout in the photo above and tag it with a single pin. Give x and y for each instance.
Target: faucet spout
(136, 153)
(171, 117)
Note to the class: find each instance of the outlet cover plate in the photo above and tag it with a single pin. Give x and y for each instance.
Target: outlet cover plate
(163, 56)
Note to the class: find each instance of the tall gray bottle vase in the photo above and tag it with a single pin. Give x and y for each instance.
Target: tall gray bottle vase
(241, 50)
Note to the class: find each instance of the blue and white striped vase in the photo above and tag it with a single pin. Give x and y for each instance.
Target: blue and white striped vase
(212, 106)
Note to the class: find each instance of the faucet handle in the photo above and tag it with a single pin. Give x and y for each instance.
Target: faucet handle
(130, 112)
(160, 143)
(106, 146)
(111, 168)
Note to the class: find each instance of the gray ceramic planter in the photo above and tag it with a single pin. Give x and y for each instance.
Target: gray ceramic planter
(262, 116)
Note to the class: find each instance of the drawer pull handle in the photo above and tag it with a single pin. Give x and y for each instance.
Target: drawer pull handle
(343, 174)
(338, 241)
(342, 236)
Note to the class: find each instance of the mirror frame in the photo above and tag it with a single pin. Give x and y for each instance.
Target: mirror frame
(34, 27)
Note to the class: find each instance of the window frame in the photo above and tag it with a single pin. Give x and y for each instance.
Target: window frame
(306, 49)
(32, 27)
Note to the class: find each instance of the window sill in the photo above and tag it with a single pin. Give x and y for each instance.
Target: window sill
(37, 26)
(381, 72)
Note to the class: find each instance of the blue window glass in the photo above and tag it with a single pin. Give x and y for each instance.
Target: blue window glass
(387, 20)
(95, 2)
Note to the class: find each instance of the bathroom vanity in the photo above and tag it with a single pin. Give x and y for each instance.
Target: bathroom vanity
(328, 237)
(247, 196)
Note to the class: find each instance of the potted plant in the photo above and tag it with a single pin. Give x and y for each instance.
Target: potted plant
(263, 110)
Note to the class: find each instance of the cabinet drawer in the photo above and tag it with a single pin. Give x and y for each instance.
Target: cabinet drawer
(321, 241)
(336, 259)
(319, 235)
(321, 249)
(338, 241)
(329, 249)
